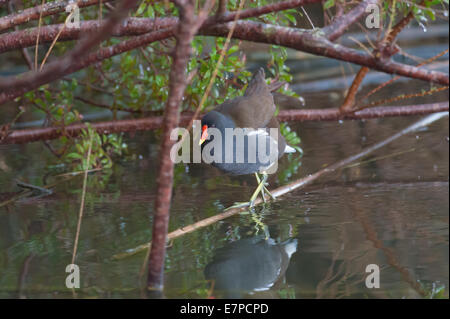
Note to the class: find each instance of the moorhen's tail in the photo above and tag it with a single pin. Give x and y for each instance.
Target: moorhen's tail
(258, 84)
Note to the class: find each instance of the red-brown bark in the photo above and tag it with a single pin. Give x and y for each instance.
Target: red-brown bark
(313, 42)
(187, 28)
(342, 23)
(47, 9)
(151, 123)
(131, 26)
(302, 40)
(386, 51)
(16, 86)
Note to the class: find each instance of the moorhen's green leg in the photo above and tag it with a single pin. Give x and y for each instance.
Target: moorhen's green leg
(260, 189)
(264, 189)
(258, 180)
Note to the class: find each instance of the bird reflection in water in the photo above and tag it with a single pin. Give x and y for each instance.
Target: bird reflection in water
(249, 265)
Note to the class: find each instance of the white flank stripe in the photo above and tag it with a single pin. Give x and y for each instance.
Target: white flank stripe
(289, 149)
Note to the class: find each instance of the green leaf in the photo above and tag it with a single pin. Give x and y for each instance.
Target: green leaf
(291, 18)
(233, 49)
(328, 4)
(141, 9)
(430, 14)
(150, 12)
(74, 156)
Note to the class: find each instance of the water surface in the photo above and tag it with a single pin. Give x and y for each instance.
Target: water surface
(391, 210)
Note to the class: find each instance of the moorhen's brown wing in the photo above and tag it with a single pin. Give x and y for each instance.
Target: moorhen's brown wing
(253, 110)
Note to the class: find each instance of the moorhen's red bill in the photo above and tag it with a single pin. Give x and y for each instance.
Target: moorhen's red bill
(254, 112)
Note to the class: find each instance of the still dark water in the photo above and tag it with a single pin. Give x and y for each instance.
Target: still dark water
(392, 210)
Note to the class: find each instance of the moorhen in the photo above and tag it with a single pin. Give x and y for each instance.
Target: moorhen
(255, 114)
(249, 265)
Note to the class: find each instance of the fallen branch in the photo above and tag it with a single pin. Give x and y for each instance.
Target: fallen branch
(289, 187)
(34, 187)
(30, 191)
(26, 193)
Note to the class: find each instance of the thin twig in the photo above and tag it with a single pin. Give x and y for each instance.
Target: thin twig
(34, 187)
(386, 50)
(309, 19)
(342, 23)
(83, 196)
(402, 97)
(36, 50)
(29, 192)
(349, 101)
(55, 39)
(395, 78)
(389, 35)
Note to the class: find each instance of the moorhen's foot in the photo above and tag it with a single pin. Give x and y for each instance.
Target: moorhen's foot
(238, 205)
(260, 189)
(269, 193)
(250, 205)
